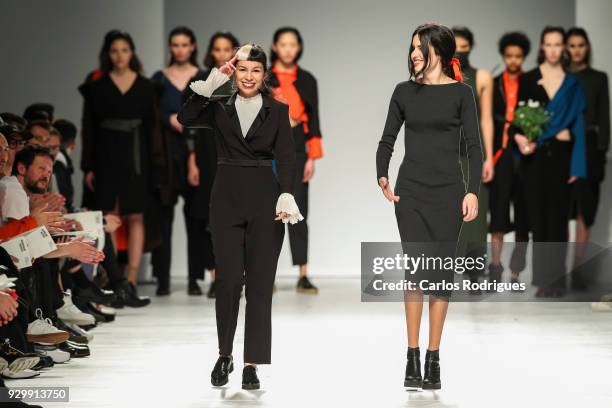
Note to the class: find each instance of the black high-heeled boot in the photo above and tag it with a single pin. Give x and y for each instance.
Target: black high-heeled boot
(431, 381)
(413, 378)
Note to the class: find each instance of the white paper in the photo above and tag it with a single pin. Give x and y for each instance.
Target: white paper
(91, 221)
(18, 248)
(39, 242)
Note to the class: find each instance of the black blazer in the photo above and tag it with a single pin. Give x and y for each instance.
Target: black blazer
(306, 85)
(269, 137)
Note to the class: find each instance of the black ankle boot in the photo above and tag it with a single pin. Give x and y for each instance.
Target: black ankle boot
(220, 374)
(249, 378)
(413, 378)
(432, 371)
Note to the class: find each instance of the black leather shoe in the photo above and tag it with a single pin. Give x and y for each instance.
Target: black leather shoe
(431, 381)
(249, 378)
(304, 285)
(220, 374)
(127, 294)
(76, 351)
(413, 378)
(162, 291)
(44, 362)
(94, 294)
(194, 289)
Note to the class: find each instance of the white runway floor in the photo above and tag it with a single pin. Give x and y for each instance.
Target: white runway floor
(331, 350)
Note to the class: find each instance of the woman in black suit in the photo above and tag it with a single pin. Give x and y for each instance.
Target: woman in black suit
(247, 199)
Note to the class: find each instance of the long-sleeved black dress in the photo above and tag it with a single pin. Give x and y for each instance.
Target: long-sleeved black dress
(121, 142)
(430, 182)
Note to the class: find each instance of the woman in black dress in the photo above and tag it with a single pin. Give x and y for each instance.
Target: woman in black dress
(585, 192)
(554, 161)
(298, 88)
(247, 201)
(432, 200)
(121, 140)
(201, 167)
(171, 82)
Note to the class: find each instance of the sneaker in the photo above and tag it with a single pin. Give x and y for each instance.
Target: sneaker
(69, 313)
(3, 364)
(16, 359)
(11, 375)
(58, 356)
(42, 331)
(305, 286)
(601, 306)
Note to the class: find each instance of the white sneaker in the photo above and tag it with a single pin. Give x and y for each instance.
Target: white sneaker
(601, 306)
(20, 375)
(42, 331)
(69, 313)
(58, 356)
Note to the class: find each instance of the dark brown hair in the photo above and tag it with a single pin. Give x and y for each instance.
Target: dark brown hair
(442, 40)
(106, 64)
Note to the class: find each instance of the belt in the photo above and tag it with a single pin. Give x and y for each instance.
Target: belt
(245, 162)
(130, 126)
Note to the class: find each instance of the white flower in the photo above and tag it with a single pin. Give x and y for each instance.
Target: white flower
(533, 104)
(521, 103)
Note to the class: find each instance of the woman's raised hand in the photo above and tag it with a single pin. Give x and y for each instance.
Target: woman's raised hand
(384, 184)
(228, 68)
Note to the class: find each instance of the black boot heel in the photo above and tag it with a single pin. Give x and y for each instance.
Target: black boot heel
(413, 378)
(432, 371)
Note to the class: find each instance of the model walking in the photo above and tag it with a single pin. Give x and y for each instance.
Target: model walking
(298, 88)
(248, 200)
(431, 200)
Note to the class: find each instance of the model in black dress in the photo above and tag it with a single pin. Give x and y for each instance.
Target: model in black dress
(121, 140)
(251, 129)
(585, 192)
(202, 166)
(171, 82)
(432, 200)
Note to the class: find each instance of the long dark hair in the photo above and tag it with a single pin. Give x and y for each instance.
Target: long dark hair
(106, 63)
(186, 31)
(442, 40)
(277, 35)
(564, 56)
(209, 61)
(580, 32)
(257, 54)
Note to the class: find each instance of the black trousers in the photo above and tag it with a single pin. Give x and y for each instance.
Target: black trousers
(247, 242)
(298, 233)
(200, 254)
(547, 195)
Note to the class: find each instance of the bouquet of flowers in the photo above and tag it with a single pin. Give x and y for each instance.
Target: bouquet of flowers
(531, 118)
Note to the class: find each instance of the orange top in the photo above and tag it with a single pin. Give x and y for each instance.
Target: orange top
(288, 94)
(511, 89)
(16, 227)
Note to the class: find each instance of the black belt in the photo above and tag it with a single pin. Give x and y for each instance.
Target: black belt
(245, 162)
(129, 126)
